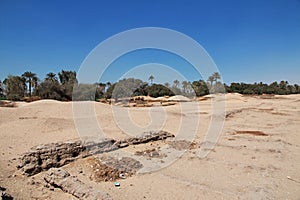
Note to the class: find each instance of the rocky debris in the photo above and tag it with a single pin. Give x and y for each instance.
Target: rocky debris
(230, 114)
(104, 100)
(182, 145)
(108, 168)
(4, 195)
(44, 157)
(168, 104)
(9, 104)
(151, 153)
(144, 138)
(136, 105)
(31, 99)
(256, 133)
(105, 145)
(59, 178)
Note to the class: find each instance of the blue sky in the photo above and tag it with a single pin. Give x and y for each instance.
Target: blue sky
(249, 40)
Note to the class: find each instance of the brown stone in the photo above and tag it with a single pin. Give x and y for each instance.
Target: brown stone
(59, 178)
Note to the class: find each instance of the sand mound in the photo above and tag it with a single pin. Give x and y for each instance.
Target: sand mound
(234, 96)
(179, 98)
(40, 103)
(46, 101)
(160, 99)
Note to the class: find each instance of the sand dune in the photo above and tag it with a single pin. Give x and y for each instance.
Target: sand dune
(256, 157)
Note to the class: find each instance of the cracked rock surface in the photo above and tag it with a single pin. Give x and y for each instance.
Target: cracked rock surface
(59, 178)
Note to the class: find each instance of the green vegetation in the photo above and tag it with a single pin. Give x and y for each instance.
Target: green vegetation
(282, 88)
(158, 90)
(65, 87)
(151, 78)
(200, 88)
(14, 87)
(31, 79)
(1, 91)
(126, 88)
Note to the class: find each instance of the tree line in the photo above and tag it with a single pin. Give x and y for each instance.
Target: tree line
(28, 84)
(65, 87)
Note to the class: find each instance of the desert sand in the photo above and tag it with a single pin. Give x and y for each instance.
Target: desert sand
(257, 155)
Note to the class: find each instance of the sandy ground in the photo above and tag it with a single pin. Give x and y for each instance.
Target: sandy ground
(241, 166)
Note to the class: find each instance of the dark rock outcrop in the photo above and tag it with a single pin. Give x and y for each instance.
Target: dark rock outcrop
(4, 195)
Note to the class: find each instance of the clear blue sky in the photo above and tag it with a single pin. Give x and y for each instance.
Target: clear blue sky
(249, 40)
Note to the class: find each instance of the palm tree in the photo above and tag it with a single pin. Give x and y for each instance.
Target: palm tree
(29, 77)
(184, 86)
(297, 88)
(51, 77)
(102, 86)
(67, 77)
(176, 83)
(283, 85)
(15, 87)
(34, 82)
(167, 84)
(151, 78)
(108, 84)
(216, 76)
(1, 89)
(211, 80)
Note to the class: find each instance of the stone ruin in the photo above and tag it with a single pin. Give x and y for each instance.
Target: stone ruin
(59, 178)
(55, 155)
(46, 156)
(50, 157)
